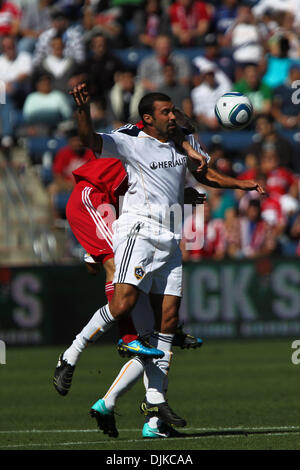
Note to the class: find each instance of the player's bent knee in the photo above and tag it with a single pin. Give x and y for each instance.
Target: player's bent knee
(121, 307)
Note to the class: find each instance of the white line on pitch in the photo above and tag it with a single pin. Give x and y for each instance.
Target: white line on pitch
(46, 444)
(219, 429)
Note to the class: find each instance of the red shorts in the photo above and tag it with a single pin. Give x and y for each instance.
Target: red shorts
(90, 215)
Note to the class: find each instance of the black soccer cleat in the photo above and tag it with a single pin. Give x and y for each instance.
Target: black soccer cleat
(105, 419)
(185, 340)
(63, 375)
(162, 411)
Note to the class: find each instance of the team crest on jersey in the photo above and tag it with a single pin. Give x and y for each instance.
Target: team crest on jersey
(139, 272)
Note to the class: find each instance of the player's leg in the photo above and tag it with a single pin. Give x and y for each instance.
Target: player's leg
(166, 314)
(165, 299)
(103, 409)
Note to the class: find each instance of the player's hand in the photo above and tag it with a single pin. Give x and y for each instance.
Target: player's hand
(250, 185)
(81, 95)
(192, 196)
(199, 162)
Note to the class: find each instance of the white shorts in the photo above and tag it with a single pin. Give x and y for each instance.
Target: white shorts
(147, 258)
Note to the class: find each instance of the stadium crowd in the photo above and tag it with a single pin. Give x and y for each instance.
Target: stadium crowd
(194, 51)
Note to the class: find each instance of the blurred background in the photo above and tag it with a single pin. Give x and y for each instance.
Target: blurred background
(245, 281)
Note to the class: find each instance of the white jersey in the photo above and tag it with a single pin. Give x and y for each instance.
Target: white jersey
(156, 173)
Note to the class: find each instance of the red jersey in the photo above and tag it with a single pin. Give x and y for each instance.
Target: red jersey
(108, 175)
(188, 18)
(105, 174)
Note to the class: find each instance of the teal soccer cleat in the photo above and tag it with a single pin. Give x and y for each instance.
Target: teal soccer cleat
(138, 347)
(162, 431)
(105, 418)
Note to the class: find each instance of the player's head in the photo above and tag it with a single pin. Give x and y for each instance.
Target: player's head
(157, 113)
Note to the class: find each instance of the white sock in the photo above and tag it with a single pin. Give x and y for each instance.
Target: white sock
(127, 377)
(157, 369)
(153, 420)
(100, 322)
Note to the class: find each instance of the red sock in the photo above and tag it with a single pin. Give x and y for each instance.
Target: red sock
(126, 327)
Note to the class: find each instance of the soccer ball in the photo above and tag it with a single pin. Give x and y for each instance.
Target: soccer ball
(234, 110)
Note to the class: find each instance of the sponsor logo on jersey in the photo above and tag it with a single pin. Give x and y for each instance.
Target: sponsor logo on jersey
(168, 163)
(139, 272)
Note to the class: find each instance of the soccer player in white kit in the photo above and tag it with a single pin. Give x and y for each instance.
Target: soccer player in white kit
(146, 245)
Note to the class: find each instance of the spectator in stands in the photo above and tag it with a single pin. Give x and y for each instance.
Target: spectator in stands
(221, 200)
(46, 106)
(124, 98)
(150, 70)
(190, 21)
(149, 22)
(72, 36)
(102, 67)
(60, 68)
(277, 61)
(67, 159)
(224, 16)
(213, 53)
(232, 233)
(286, 104)
(209, 59)
(266, 133)
(281, 6)
(179, 94)
(294, 232)
(286, 27)
(258, 237)
(203, 237)
(244, 37)
(205, 95)
(10, 17)
(259, 93)
(101, 17)
(279, 181)
(36, 18)
(15, 71)
(219, 160)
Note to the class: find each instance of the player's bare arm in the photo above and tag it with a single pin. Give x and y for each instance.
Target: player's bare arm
(85, 128)
(214, 179)
(199, 161)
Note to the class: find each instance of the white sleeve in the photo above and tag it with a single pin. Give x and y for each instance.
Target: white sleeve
(116, 145)
(197, 146)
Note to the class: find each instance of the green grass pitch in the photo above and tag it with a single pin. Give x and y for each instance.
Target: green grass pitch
(233, 394)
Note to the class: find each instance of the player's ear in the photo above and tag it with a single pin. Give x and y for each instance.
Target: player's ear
(147, 118)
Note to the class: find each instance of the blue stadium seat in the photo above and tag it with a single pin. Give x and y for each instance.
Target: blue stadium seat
(133, 55)
(37, 146)
(230, 140)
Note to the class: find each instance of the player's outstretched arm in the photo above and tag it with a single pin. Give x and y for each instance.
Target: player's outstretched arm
(85, 128)
(214, 179)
